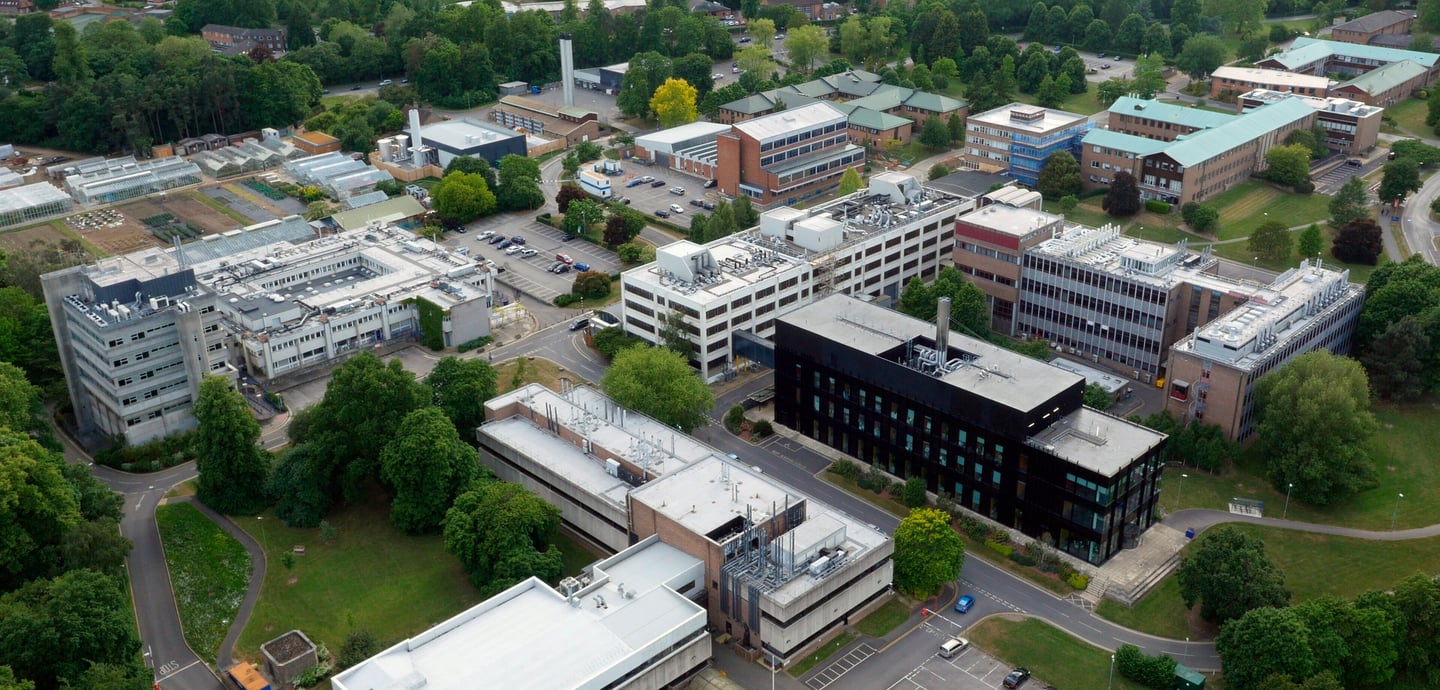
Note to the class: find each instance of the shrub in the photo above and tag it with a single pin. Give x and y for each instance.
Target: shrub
(1022, 558)
(1157, 206)
(1306, 187)
(914, 492)
(475, 344)
(312, 676)
(734, 417)
(846, 469)
(1000, 548)
(976, 529)
(762, 428)
(566, 300)
(1151, 671)
(874, 479)
(1079, 581)
(359, 646)
(896, 490)
(1068, 203)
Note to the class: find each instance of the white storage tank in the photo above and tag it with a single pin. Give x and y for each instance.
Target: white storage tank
(387, 149)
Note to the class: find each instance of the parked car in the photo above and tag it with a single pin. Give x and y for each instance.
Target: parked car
(708, 205)
(677, 191)
(567, 238)
(662, 213)
(657, 184)
(745, 39)
(1105, 66)
(677, 208)
(562, 268)
(564, 258)
(718, 76)
(963, 606)
(1016, 678)
(386, 82)
(404, 81)
(485, 234)
(553, 265)
(779, 37)
(496, 239)
(513, 249)
(635, 182)
(518, 239)
(952, 647)
(734, 70)
(527, 253)
(505, 244)
(647, 178)
(623, 199)
(463, 251)
(582, 266)
(696, 202)
(710, 183)
(1101, 55)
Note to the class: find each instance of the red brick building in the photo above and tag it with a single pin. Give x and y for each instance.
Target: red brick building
(788, 156)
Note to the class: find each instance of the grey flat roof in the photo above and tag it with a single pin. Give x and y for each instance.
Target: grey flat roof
(455, 134)
(998, 374)
(1008, 220)
(1097, 441)
(708, 494)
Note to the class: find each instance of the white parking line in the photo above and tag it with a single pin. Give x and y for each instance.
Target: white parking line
(828, 675)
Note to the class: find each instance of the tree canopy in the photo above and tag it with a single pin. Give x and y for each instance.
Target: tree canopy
(1314, 422)
(969, 308)
(427, 465)
(1228, 574)
(1288, 165)
(1358, 242)
(1200, 56)
(52, 630)
(463, 197)
(674, 103)
(1060, 176)
(659, 382)
(1348, 203)
(1272, 241)
(928, 552)
(233, 469)
(461, 387)
(1401, 178)
(501, 533)
(1264, 642)
(1123, 197)
(519, 180)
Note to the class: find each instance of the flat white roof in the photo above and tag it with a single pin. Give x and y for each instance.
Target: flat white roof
(711, 493)
(1051, 119)
(1008, 220)
(1272, 76)
(681, 134)
(464, 134)
(790, 120)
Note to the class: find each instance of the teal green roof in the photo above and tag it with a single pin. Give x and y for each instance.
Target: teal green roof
(1382, 79)
(865, 117)
(750, 105)
(934, 102)
(1169, 112)
(1306, 50)
(1140, 146)
(1206, 144)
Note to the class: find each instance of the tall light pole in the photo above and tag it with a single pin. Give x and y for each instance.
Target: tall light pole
(1111, 685)
(1288, 489)
(1178, 488)
(1396, 512)
(774, 666)
(265, 539)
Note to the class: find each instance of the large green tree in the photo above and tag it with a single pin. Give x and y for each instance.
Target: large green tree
(1397, 359)
(1314, 427)
(1402, 176)
(427, 465)
(1237, 15)
(461, 387)
(1122, 199)
(52, 630)
(232, 468)
(1288, 165)
(1271, 241)
(659, 382)
(1416, 600)
(1060, 176)
(1348, 203)
(1310, 242)
(463, 197)
(928, 552)
(502, 534)
(806, 45)
(39, 508)
(519, 181)
(969, 308)
(1200, 56)
(1228, 574)
(1263, 642)
(1358, 242)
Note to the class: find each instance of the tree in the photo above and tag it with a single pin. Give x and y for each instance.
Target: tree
(1402, 176)
(591, 284)
(8, 681)
(928, 552)
(52, 630)
(1199, 217)
(1348, 203)
(914, 494)
(1415, 150)
(1310, 241)
(937, 171)
(1185, 13)
(1157, 40)
(1130, 34)
(582, 215)
(616, 232)
(568, 193)
(1288, 165)
(460, 387)
(1271, 241)
(1239, 14)
(1149, 671)
(1263, 642)
(1200, 56)
(427, 465)
(359, 645)
(722, 222)
(1097, 397)
(233, 470)
(1123, 197)
(956, 125)
(756, 60)
(1350, 641)
(1060, 176)
(935, 134)
(1428, 17)
(1358, 242)
(674, 103)
(476, 165)
(298, 32)
(851, 182)
(1314, 424)
(502, 534)
(39, 505)
(1396, 360)
(764, 32)
(1097, 35)
(673, 332)
(659, 382)
(1052, 93)
(1417, 602)
(519, 184)
(462, 197)
(806, 45)
(1229, 574)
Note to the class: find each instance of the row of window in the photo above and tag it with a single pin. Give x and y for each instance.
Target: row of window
(841, 162)
(806, 135)
(802, 150)
(1098, 279)
(156, 414)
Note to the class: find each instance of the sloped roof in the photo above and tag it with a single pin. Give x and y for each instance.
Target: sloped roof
(1374, 21)
(1206, 144)
(934, 102)
(1140, 146)
(750, 105)
(1306, 50)
(400, 207)
(1382, 79)
(865, 117)
(1169, 112)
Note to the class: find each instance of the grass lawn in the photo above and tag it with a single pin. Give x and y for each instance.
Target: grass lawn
(1088, 212)
(1248, 205)
(537, 370)
(884, 619)
(209, 571)
(803, 666)
(1051, 654)
(371, 576)
(1082, 103)
(1161, 612)
(575, 553)
(881, 501)
(1409, 116)
(1402, 465)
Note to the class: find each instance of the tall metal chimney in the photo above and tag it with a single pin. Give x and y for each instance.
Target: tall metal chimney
(567, 69)
(942, 330)
(415, 143)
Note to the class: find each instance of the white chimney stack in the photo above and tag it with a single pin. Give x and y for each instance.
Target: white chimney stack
(567, 69)
(942, 329)
(415, 143)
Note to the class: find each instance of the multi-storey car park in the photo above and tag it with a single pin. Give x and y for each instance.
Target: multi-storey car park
(730, 290)
(137, 332)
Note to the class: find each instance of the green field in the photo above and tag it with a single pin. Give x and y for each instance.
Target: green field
(1400, 455)
(1052, 655)
(209, 571)
(884, 619)
(1409, 116)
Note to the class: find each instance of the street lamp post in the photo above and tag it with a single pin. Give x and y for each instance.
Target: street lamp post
(1178, 488)
(264, 538)
(1288, 489)
(1396, 512)
(774, 666)
(1111, 685)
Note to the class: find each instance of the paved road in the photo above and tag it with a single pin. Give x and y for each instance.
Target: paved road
(1420, 232)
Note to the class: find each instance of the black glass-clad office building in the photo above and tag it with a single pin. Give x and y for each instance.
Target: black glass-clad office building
(1006, 435)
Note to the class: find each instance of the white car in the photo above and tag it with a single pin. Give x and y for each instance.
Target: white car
(647, 178)
(486, 234)
(527, 253)
(717, 76)
(677, 208)
(514, 249)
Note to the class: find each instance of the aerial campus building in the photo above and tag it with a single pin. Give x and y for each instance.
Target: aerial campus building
(1005, 434)
(706, 549)
(137, 332)
(787, 157)
(730, 290)
(32, 202)
(107, 180)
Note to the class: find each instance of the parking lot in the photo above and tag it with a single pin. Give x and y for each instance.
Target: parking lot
(647, 198)
(530, 274)
(972, 669)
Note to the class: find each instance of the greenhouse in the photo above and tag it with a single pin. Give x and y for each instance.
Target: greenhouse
(123, 178)
(32, 202)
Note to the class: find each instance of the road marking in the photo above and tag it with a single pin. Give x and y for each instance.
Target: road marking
(828, 675)
(139, 502)
(172, 671)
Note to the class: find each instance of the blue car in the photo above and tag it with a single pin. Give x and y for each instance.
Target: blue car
(963, 606)
(582, 266)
